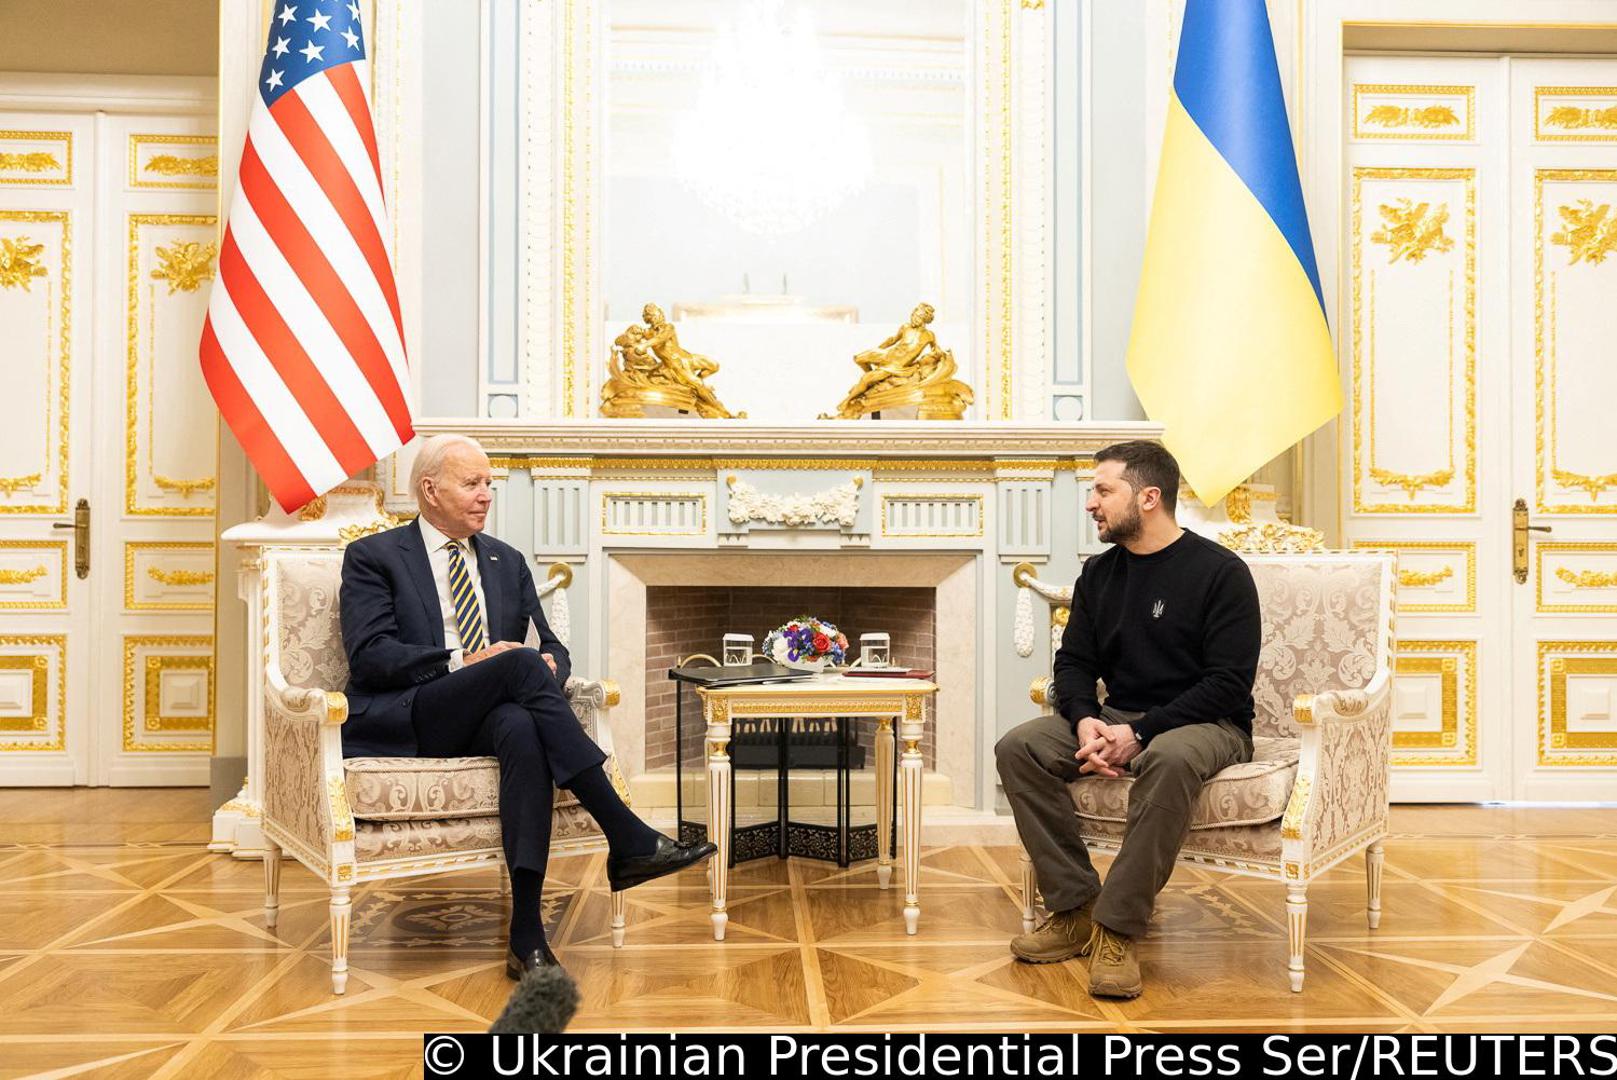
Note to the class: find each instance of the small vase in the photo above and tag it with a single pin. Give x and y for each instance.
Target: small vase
(817, 664)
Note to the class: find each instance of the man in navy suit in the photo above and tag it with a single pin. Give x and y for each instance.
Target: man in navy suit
(433, 619)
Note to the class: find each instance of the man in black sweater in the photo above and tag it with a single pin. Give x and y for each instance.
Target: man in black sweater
(1169, 622)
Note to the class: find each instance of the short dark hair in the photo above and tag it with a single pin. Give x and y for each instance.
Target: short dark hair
(1146, 464)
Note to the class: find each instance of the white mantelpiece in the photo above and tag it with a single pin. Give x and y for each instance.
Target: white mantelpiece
(806, 439)
(627, 503)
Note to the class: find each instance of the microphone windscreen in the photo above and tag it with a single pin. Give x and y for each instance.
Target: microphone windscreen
(543, 1003)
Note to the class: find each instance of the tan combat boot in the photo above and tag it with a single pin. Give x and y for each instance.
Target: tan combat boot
(1061, 936)
(1114, 969)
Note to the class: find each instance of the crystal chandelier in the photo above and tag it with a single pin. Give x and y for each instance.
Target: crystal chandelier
(770, 143)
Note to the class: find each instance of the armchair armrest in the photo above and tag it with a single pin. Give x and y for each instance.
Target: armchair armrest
(306, 805)
(1344, 706)
(1042, 691)
(590, 698)
(1340, 799)
(302, 702)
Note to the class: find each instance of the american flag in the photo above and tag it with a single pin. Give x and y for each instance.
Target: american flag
(303, 347)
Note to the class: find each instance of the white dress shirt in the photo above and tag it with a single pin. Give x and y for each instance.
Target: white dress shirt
(437, 545)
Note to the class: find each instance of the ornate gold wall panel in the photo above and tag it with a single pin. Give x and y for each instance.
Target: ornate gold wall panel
(1576, 577)
(1586, 114)
(169, 462)
(1444, 674)
(33, 575)
(1414, 298)
(161, 576)
(36, 309)
(166, 162)
(36, 157)
(33, 692)
(168, 693)
(1397, 111)
(1432, 577)
(1577, 703)
(1574, 281)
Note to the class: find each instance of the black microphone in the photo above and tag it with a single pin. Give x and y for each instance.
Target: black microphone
(543, 1003)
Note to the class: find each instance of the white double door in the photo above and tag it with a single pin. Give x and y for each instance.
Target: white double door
(108, 440)
(1479, 332)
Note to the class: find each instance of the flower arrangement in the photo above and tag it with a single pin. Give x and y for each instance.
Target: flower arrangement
(807, 643)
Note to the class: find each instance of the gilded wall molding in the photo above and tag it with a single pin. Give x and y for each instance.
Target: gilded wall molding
(34, 732)
(1559, 661)
(172, 161)
(1578, 577)
(1412, 230)
(1587, 237)
(36, 158)
(147, 688)
(1575, 114)
(54, 555)
(1454, 744)
(183, 265)
(58, 303)
(1414, 112)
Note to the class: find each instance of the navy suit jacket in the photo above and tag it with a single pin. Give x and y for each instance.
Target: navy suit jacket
(393, 630)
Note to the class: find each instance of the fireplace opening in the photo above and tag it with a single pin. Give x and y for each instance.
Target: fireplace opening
(682, 621)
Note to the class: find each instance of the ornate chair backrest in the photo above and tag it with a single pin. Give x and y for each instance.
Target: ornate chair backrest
(304, 636)
(1327, 625)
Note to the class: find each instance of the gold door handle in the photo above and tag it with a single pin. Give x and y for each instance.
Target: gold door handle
(1518, 539)
(81, 536)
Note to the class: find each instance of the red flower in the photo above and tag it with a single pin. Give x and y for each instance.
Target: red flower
(822, 644)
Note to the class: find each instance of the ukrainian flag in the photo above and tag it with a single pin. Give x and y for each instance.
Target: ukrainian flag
(1230, 350)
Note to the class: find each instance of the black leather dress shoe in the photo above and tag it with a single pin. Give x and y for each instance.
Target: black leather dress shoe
(516, 966)
(669, 857)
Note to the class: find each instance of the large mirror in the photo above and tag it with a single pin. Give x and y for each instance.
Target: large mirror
(787, 180)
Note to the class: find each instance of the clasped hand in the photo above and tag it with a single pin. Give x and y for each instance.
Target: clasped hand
(1104, 748)
(503, 646)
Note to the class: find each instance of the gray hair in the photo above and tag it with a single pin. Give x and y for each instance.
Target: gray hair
(429, 458)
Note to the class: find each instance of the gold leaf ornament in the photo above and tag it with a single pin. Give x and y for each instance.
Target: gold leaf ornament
(1590, 232)
(1413, 230)
(34, 162)
(19, 263)
(1572, 117)
(171, 165)
(1399, 116)
(185, 265)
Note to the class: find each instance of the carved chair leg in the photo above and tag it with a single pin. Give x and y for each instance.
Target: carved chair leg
(1374, 858)
(341, 909)
(1029, 887)
(619, 909)
(272, 884)
(1296, 931)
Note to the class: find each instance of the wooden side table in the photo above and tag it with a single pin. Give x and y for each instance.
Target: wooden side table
(887, 701)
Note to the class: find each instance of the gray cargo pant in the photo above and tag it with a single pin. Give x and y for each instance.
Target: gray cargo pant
(1036, 764)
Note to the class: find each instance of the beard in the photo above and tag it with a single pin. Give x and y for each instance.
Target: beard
(1121, 530)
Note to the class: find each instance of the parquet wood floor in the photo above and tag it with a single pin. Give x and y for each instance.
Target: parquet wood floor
(126, 949)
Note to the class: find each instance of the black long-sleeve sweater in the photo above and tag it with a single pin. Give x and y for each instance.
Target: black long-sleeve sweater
(1174, 634)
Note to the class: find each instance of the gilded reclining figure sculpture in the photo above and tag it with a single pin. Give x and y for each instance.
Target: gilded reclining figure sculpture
(907, 369)
(649, 367)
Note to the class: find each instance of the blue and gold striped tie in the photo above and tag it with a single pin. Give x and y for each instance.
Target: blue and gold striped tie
(468, 616)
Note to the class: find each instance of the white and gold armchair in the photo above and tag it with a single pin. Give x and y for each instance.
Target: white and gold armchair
(369, 819)
(1316, 791)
